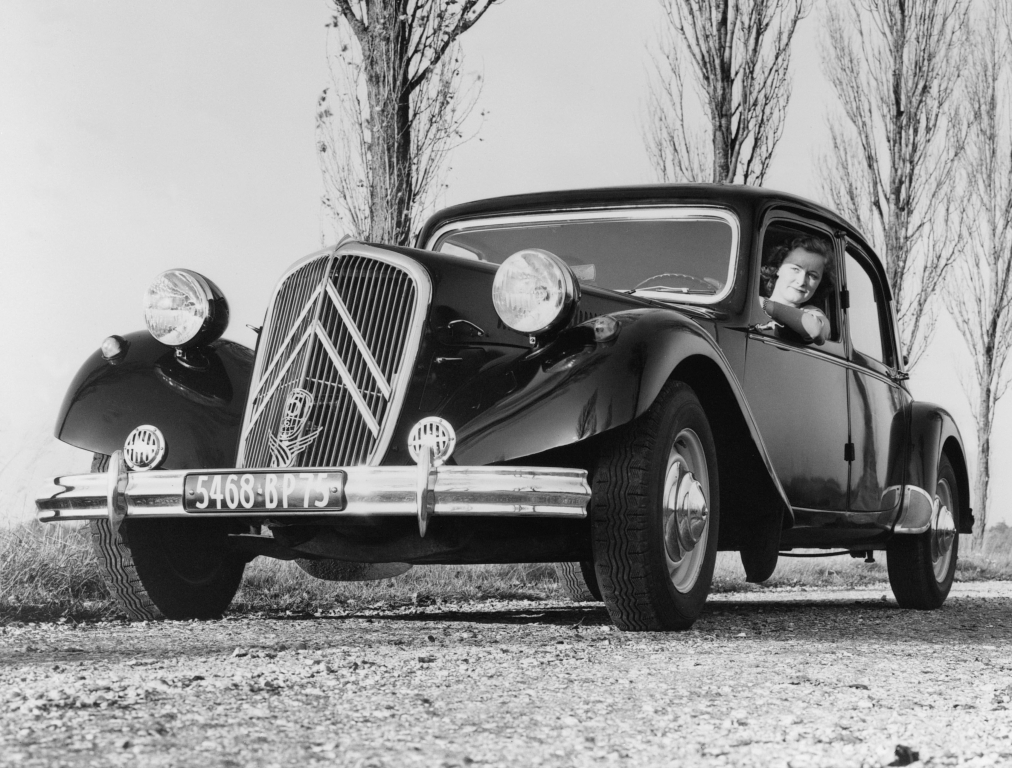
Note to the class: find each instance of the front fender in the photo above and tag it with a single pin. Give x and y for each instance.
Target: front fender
(574, 388)
(932, 431)
(199, 410)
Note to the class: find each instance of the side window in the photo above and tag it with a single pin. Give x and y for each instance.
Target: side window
(798, 269)
(866, 313)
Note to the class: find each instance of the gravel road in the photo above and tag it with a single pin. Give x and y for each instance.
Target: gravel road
(767, 677)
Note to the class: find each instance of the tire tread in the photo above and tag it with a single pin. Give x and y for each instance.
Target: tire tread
(575, 582)
(118, 564)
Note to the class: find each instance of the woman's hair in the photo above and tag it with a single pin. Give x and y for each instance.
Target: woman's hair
(811, 243)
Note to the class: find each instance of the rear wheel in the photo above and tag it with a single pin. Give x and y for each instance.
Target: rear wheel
(922, 566)
(578, 581)
(171, 568)
(655, 514)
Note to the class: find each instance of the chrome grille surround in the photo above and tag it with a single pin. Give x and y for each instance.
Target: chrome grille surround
(345, 325)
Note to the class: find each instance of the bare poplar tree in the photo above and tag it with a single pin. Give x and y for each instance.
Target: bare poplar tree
(980, 298)
(394, 111)
(738, 52)
(895, 65)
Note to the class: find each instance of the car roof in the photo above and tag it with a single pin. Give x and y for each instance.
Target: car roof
(739, 197)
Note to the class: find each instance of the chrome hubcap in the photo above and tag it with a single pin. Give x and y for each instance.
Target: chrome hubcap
(943, 531)
(686, 510)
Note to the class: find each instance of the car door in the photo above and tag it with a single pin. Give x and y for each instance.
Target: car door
(876, 395)
(798, 391)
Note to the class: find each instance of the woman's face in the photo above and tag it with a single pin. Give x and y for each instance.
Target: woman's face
(798, 277)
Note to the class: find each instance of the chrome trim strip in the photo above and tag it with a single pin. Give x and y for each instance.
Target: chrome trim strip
(277, 382)
(620, 213)
(820, 355)
(356, 336)
(380, 491)
(310, 304)
(328, 265)
(349, 382)
(425, 488)
(117, 480)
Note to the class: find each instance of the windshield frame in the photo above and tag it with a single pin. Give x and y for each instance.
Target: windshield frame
(637, 213)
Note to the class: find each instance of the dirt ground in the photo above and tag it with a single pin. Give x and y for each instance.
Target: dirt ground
(766, 678)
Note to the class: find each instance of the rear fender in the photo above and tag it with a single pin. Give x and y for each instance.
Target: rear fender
(576, 388)
(199, 409)
(932, 431)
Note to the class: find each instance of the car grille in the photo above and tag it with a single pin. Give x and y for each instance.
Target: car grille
(335, 355)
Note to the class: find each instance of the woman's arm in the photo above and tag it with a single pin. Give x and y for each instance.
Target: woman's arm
(809, 323)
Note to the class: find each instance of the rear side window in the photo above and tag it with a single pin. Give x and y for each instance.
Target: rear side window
(867, 312)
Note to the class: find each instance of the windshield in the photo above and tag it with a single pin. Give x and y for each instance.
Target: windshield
(678, 254)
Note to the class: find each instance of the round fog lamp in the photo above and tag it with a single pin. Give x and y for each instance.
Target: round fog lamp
(533, 291)
(184, 309)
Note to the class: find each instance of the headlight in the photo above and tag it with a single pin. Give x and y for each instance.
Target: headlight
(534, 291)
(185, 309)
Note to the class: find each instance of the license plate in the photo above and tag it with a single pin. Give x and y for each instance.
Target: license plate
(264, 491)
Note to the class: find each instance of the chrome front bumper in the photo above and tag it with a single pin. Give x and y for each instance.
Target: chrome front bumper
(420, 491)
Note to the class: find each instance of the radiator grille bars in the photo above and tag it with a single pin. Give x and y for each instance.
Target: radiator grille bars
(340, 329)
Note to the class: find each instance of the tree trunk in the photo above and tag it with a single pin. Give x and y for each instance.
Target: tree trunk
(384, 53)
(896, 224)
(722, 137)
(984, 416)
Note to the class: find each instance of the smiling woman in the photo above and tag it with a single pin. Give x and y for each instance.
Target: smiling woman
(797, 282)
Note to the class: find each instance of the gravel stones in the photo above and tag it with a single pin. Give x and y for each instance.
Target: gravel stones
(777, 677)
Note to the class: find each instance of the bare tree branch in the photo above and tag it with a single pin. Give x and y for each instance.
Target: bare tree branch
(354, 20)
(393, 112)
(895, 65)
(979, 299)
(454, 23)
(739, 54)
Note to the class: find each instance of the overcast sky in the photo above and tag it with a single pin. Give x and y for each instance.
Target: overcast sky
(140, 136)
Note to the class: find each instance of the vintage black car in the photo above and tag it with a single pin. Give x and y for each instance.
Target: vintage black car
(623, 379)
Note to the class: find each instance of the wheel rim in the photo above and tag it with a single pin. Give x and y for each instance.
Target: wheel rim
(686, 510)
(943, 531)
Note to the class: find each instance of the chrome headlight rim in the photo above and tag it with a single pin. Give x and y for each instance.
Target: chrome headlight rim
(215, 310)
(570, 293)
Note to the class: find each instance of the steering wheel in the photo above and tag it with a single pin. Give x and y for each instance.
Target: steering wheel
(709, 287)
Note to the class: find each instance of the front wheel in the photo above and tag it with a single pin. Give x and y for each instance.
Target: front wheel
(922, 566)
(171, 568)
(655, 512)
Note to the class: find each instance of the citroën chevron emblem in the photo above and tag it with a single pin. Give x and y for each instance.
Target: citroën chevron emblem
(291, 441)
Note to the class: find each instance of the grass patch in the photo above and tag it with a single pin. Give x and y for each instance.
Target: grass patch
(276, 585)
(49, 571)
